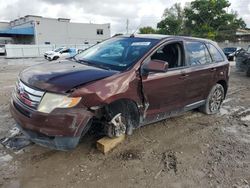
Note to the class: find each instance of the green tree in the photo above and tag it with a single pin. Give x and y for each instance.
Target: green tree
(146, 30)
(209, 19)
(172, 22)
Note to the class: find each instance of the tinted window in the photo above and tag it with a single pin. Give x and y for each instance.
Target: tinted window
(216, 55)
(65, 51)
(197, 53)
(58, 49)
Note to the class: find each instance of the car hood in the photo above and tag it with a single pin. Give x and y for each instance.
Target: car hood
(49, 52)
(62, 76)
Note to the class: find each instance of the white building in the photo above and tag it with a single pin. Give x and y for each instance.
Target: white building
(39, 30)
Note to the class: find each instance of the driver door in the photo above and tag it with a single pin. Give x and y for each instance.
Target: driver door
(166, 92)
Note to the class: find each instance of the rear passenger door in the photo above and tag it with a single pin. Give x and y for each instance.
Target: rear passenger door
(201, 72)
(220, 63)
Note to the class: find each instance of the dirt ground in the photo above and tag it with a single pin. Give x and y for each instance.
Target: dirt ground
(192, 150)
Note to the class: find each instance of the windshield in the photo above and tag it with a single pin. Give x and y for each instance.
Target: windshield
(229, 49)
(58, 49)
(117, 53)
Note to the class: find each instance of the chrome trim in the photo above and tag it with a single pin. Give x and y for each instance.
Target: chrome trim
(28, 96)
(30, 90)
(194, 105)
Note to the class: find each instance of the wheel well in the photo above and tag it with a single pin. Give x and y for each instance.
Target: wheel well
(128, 106)
(224, 85)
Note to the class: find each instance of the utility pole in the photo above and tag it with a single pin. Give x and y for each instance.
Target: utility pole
(127, 23)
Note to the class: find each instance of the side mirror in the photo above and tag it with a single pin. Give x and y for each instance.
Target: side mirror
(156, 66)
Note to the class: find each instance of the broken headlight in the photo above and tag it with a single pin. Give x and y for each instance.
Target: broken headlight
(51, 101)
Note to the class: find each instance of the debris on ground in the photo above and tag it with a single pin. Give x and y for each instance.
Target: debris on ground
(15, 140)
(169, 160)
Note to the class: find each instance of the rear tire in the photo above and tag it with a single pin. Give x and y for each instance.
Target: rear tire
(55, 58)
(248, 71)
(231, 58)
(214, 100)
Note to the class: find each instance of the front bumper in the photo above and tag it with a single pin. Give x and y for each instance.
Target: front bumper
(61, 129)
(47, 57)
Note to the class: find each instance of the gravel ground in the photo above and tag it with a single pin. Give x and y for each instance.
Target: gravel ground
(192, 150)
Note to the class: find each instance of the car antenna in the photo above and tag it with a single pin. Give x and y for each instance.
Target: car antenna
(133, 34)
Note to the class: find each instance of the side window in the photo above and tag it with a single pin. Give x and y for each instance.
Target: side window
(216, 55)
(65, 51)
(197, 53)
(171, 53)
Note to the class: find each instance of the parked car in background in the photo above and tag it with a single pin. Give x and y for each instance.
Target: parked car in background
(123, 83)
(243, 60)
(61, 53)
(230, 52)
(2, 49)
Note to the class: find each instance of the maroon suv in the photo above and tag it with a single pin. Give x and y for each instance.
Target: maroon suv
(122, 83)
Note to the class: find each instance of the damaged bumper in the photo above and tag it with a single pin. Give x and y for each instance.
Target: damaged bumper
(61, 129)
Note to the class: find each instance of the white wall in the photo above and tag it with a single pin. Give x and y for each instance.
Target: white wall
(24, 51)
(17, 51)
(60, 32)
(4, 25)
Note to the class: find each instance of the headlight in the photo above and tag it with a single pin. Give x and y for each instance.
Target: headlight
(50, 101)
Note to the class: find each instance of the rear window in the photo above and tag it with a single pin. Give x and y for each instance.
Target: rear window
(197, 53)
(215, 53)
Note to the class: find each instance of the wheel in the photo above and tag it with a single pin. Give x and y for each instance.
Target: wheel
(214, 100)
(248, 71)
(121, 117)
(55, 58)
(231, 58)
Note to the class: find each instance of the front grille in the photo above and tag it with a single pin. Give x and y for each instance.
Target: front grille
(21, 110)
(28, 96)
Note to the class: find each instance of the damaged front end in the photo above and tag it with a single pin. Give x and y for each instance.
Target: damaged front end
(61, 130)
(49, 119)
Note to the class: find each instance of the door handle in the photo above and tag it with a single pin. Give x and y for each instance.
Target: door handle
(212, 69)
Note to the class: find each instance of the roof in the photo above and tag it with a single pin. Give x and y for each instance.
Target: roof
(243, 31)
(161, 37)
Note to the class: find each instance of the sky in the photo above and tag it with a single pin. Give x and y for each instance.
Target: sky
(139, 12)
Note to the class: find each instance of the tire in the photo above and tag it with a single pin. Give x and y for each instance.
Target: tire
(214, 100)
(129, 115)
(230, 58)
(248, 71)
(55, 58)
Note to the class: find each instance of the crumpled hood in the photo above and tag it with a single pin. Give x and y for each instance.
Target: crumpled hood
(62, 76)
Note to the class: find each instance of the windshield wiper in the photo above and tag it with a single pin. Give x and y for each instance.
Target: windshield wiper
(93, 64)
(73, 58)
(89, 63)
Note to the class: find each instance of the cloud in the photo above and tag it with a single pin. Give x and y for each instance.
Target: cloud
(139, 12)
(243, 9)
